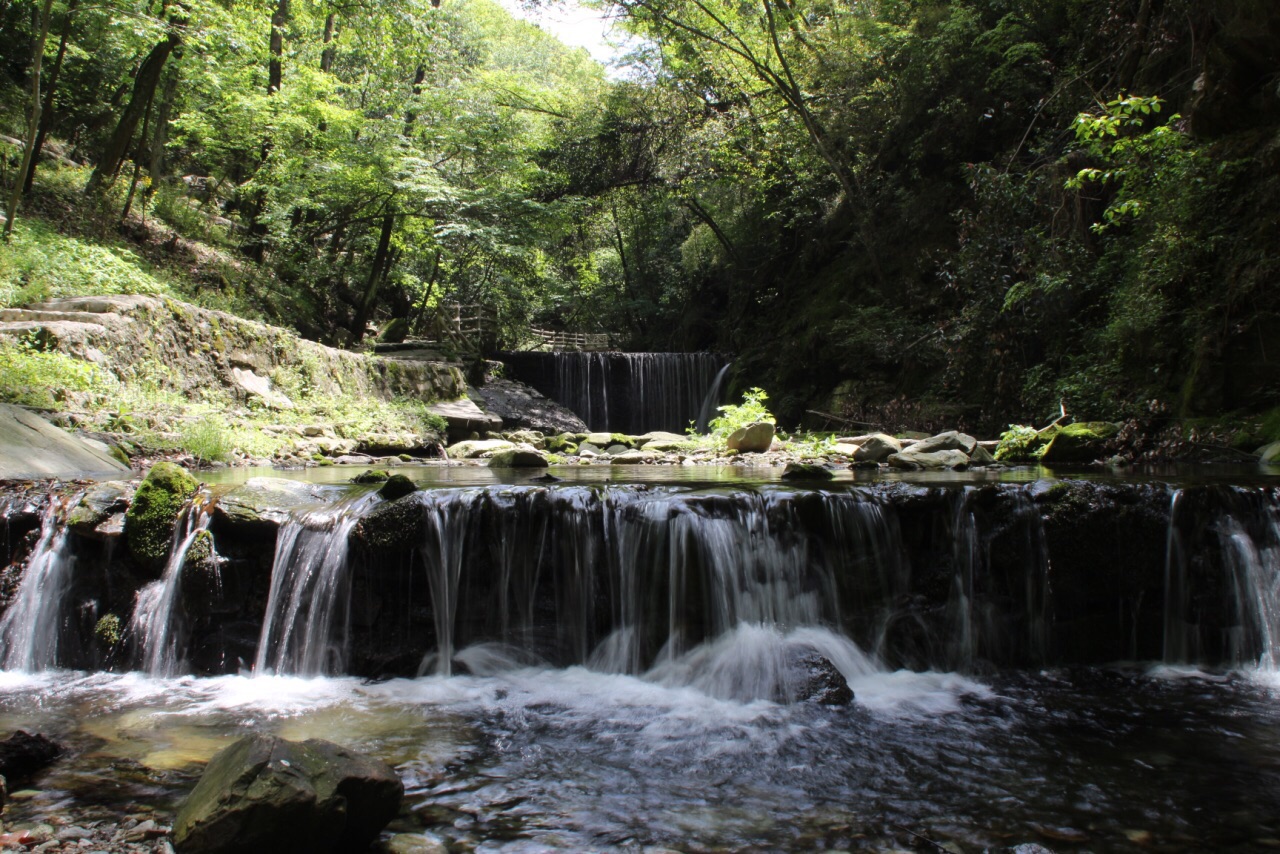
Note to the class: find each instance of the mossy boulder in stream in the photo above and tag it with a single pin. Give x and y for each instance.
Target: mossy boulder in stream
(397, 486)
(155, 509)
(1079, 443)
(267, 794)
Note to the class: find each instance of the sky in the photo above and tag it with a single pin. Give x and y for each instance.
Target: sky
(576, 25)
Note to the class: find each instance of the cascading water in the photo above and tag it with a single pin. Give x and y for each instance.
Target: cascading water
(627, 392)
(711, 402)
(30, 630)
(306, 622)
(1223, 567)
(156, 621)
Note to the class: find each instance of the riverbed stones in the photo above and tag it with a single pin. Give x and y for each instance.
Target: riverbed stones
(876, 448)
(159, 501)
(471, 449)
(913, 460)
(267, 794)
(755, 438)
(31, 447)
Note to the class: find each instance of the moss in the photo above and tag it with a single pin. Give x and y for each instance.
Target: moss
(108, 630)
(397, 486)
(155, 509)
(371, 476)
(1079, 443)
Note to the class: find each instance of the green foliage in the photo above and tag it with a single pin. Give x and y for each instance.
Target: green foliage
(108, 630)
(40, 264)
(208, 440)
(735, 416)
(1021, 444)
(32, 376)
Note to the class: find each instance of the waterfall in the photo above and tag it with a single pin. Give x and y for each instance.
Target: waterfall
(305, 628)
(1222, 568)
(711, 403)
(31, 627)
(627, 392)
(156, 621)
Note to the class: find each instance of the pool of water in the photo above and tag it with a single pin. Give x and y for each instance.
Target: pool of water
(1119, 759)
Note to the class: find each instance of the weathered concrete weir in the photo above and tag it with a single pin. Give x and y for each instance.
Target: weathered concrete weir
(627, 392)
(713, 587)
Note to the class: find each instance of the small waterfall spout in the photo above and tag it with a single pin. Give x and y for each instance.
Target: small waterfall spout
(156, 621)
(31, 628)
(711, 402)
(306, 626)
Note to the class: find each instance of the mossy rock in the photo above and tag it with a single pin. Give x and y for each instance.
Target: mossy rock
(397, 486)
(518, 458)
(156, 506)
(371, 476)
(806, 471)
(1079, 443)
(392, 526)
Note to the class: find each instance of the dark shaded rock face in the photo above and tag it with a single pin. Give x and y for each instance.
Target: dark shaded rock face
(814, 679)
(23, 755)
(521, 406)
(267, 794)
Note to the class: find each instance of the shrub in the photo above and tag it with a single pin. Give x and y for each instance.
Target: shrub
(736, 416)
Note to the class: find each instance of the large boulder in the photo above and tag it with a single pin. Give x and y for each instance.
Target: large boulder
(267, 794)
(1079, 443)
(876, 448)
(149, 523)
(520, 457)
(813, 678)
(807, 471)
(263, 503)
(948, 441)
(31, 447)
(913, 460)
(755, 438)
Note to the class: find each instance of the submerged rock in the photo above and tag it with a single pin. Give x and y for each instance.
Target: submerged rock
(755, 438)
(155, 509)
(22, 755)
(267, 794)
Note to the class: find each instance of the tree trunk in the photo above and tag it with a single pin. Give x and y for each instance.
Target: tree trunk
(327, 54)
(275, 66)
(33, 124)
(376, 274)
(46, 117)
(144, 87)
(160, 136)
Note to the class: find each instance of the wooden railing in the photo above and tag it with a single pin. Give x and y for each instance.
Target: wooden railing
(547, 339)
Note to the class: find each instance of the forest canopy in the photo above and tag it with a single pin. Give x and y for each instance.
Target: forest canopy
(974, 210)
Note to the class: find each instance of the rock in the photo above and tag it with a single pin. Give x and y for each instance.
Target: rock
(266, 794)
(392, 525)
(531, 438)
(1269, 455)
(913, 460)
(263, 502)
(23, 755)
(99, 503)
(754, 438)
(844, 449)
(664, 446)
(464, 417)
(658, 436)
(260, 387)
(981, 457)
(520, 405)
(414, 843)
(616, 449)
(633, 458)
(397, 486)
(523, 457)
(371, 476)
(876, 448)
(587, 449)
(472, 448)
(814, 679)
(948, 441)
(1079, 443)
(31, 447)
(599, 440)
(806, 471)
(158, 502)
(394, 331)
